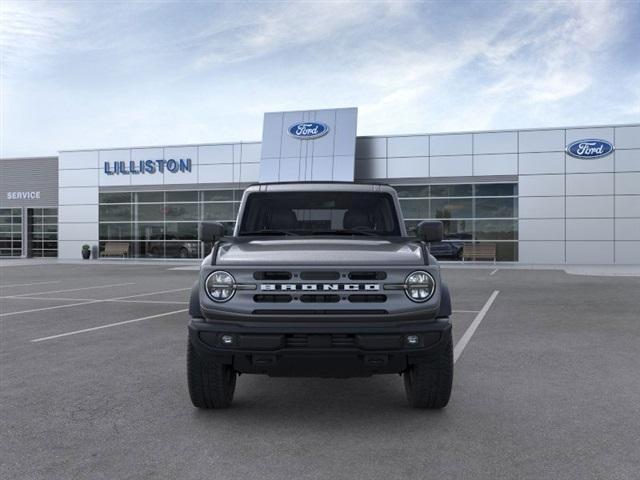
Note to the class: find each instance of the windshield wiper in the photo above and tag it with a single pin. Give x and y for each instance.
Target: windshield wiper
(344, 231)
(268, 231)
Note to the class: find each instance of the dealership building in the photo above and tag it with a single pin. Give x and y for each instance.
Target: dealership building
(535, 196)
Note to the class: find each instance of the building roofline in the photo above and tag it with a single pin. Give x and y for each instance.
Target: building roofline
(465, 132)
(46, 157)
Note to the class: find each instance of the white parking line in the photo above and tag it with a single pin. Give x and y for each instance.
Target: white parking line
(69, 299)
(465, 311)
(73, 289)
(494, 272)
(89, 302)
(464, 340)
(33, 310)
(85, 330)
(28, 284)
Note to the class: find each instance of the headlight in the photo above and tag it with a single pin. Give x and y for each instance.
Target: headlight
(220, 286)
(419, 286)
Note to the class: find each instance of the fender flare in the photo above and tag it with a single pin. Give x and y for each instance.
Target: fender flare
(445, 302)
(194, 301)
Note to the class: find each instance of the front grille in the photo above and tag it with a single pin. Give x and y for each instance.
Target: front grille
(320, 341)
(319, 275)
(359, 298)
(309, 298)
(272, 275)
(367, 275)
(272, 298)
(265, 311)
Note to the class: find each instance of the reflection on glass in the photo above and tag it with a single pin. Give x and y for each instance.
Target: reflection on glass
(417, 209)
(451, 208)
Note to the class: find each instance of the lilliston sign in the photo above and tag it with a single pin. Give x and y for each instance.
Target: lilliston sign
(136, 167)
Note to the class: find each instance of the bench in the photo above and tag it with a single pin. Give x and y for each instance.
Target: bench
(479, 251)
(116, 249)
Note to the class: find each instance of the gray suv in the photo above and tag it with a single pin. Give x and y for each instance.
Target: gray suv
(320, 279)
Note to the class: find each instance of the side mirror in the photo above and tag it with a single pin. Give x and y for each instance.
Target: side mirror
(429, 231)
(210, 231)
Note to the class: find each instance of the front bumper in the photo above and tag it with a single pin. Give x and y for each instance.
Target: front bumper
(319, 350)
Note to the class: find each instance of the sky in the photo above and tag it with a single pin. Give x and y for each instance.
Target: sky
(92, 74)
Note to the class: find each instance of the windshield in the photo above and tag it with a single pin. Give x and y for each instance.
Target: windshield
(320, 213)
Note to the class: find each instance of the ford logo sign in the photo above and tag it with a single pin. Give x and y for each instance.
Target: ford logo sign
(308, 130)
(590, 148)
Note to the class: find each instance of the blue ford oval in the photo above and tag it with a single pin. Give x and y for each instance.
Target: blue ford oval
(590, 148)
(308, 130)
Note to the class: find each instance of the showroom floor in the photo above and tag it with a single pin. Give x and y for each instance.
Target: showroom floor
(93, 385)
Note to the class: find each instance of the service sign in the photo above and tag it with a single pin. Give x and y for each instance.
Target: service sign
(308, 130)
(589, 149)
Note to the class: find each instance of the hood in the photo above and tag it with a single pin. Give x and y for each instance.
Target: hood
(320, 251)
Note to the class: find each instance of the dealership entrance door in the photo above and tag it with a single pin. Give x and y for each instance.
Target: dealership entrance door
(42, 232)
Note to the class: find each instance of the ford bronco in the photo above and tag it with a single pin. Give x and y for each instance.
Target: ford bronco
(320, 279)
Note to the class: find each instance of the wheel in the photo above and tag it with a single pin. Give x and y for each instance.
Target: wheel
(428, 383)
(211, 384)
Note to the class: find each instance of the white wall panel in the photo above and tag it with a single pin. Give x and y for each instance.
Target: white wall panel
(371, 147)
(269, 168)
(590, 184)
(458, 144)
(589, 229)
(541, 229)
(249, 172)
(627, 160)
(453, 166)
(417, 146)
(250, 152)
(291, 147)
(540, 163)
(343, 165)
(581, 165)
(77, 213)
(272, 128)
(293, 169)
(541, 207)
(86, 159)
(628, 253)
(78, 178)
(323, 146)
(628, 183)
(119, 179)
(541, 185)
(408, 167)
(78, 196)
(628, 206)
(215, 173)
(345, 139)
(542, 141)
(71, 249)
(590, 207)
(627, 228)
(604, 133)
(506, 164)
(628, 137)
(498, 142)
(79, 232)
(371, 168)
(320, 167)
(541, 252)
(215, 154)
(589, 253)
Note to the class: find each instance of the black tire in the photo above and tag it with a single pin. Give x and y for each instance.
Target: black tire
(211, 384)
(428, 383)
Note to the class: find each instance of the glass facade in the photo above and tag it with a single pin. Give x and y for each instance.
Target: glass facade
(164, 224)
(472, 214)
(43, 232)
(10, 232)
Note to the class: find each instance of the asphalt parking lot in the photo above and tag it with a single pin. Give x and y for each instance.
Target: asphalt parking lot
(93, 385)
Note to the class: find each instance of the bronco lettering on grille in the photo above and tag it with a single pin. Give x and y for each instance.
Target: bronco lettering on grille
(323, 287)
